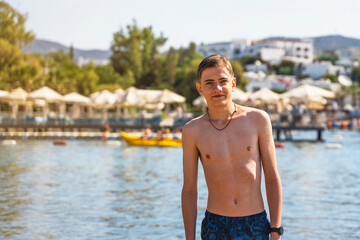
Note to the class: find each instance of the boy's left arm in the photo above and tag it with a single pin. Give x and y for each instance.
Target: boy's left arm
(272, 178)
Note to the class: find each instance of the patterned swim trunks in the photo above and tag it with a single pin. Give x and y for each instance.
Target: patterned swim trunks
(217, 227)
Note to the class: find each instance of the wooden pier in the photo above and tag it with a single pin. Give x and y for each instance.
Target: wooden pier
(287, 130)
(117, 127)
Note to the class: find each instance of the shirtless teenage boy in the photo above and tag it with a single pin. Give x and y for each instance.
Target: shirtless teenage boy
(232, 142)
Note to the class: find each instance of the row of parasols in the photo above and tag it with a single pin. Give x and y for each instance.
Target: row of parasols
(312, 96)
(150, 99)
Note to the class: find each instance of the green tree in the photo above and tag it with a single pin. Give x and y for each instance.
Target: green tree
(186, 72)
(136, 53)
(13, 36)
(355, 74)
(249, 60)
(285, 67)
(332, 77)
(108, 77)
(186, 78)
(238, 70)
(12, 26)
(169, 66)
(332, 59)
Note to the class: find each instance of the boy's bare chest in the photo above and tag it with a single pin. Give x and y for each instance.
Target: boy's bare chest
(237, 142)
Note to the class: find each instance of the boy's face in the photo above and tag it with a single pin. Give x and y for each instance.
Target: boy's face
(216, 85)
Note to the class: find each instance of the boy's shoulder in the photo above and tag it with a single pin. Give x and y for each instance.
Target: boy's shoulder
(254, 113)
(195, 122)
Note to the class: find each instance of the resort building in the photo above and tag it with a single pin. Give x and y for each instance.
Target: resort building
(279, 82)
(230, 50)
(272, 49)
(278, 49)
(318, 69)
(257, 66)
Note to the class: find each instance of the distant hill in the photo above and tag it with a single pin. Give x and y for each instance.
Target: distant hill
(333, 42)
(330, 42)
(45, 46)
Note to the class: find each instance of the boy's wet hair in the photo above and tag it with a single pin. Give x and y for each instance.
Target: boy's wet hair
(214, 61)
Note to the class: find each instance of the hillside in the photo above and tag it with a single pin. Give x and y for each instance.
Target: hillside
(45, 46)
(332, 42)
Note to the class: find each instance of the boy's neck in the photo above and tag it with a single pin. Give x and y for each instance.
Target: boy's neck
(221, 112)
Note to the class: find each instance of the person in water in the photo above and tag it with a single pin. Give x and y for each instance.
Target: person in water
(105, 131)
(233, 143)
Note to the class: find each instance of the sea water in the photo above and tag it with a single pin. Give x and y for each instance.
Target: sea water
(91, 190)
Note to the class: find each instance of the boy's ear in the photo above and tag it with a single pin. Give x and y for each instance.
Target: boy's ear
(233, 84)
(198, 87)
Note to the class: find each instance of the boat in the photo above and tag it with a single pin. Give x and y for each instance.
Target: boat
(59, 142)
(137, 140)
(279, 145)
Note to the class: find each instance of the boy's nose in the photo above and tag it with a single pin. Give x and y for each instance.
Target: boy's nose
(218, 86)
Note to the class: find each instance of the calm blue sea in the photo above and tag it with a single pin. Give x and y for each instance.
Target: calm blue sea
(91, 190)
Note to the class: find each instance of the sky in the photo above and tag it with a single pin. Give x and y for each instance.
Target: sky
(90, 24)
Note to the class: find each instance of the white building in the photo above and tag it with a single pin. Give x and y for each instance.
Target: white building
(230, 50)
(271, 82)
(278, 49)
(81, 61)
(318, 69)
(256, 67)
(271, 49)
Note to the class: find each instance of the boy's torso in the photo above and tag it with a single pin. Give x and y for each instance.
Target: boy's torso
(231, 162)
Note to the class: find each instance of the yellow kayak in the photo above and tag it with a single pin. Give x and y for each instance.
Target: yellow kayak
(138, 141)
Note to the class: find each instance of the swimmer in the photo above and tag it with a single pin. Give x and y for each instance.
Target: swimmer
(105, 131)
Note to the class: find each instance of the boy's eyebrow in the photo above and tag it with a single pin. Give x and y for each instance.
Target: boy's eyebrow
(208, 80)
(222, 78)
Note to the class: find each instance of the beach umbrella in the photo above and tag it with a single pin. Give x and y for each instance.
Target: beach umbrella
(93, 95)
(131, 97)
(119, 92)
(45, 93)
(15, 97)
(199, 102)
(239, 96)
(3, 93)
(17, 94)
(77, 100)
(168, 96)
(48, 95)
(75, 97)
(104, 98)
(150, 96)
(265, 95)
(306, 92)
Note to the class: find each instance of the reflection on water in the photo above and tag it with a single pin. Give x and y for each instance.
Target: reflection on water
(90, 190)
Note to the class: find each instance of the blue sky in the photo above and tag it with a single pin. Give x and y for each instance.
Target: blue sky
(90, 24)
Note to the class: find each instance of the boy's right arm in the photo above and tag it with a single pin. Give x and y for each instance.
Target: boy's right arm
(189, 195)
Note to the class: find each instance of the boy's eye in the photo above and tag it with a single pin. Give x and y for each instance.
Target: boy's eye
(208, 83)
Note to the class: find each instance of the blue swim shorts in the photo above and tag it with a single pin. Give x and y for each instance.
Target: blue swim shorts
(217, 227)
